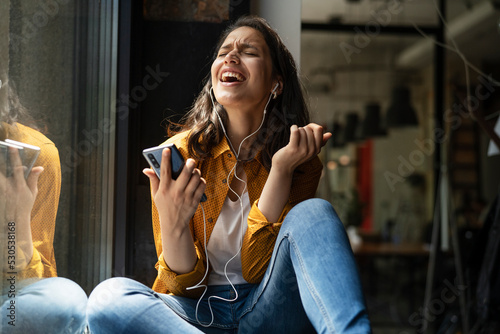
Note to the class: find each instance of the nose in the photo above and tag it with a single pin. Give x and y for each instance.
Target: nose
(232, 57)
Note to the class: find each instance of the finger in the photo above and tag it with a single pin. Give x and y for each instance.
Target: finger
(318, 137)
(166, 166)
(326, 137)
(32, 180)
(302, 137)
(307, 141)
(194, 182)
(15, 159)
(317, 131)
(17, 165)
(201, 189)
(186, 173)
(3, 165)
(153, 179)
(294, 136)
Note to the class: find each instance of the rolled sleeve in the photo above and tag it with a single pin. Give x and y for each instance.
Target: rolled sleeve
(177, 284)
(37, 267)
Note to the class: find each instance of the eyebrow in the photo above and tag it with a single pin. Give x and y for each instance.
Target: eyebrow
(243, 45)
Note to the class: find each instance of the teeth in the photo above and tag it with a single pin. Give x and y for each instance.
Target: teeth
(226, 75)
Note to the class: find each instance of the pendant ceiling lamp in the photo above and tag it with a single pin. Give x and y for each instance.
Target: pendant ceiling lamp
(401, 113)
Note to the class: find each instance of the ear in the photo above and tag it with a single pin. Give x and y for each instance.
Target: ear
(277, 87)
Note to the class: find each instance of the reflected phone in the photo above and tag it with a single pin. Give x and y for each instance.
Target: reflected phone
(28, 154)
(5, 163)
(153, 157)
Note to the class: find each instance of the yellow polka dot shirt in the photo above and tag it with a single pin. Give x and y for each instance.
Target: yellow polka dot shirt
(260, 237)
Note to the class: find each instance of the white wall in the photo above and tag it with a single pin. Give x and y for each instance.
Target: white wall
(285, 17)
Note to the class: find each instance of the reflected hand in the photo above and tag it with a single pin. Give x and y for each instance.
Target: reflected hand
(17, 200)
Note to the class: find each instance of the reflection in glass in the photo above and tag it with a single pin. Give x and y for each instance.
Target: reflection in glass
(32, 294)
(57, 72)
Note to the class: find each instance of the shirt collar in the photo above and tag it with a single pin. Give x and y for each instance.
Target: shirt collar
(223, 147)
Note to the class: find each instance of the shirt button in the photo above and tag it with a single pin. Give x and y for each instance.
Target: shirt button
(224, 180)
(229, 155)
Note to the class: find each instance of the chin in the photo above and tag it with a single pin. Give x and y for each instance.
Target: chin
(228, 98)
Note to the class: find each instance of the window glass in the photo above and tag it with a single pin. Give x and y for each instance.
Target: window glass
(58, 73)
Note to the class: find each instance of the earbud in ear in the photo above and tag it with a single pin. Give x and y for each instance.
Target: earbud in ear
(275, 95)
(276, 87)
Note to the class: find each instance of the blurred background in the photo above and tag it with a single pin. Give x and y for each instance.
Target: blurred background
(408, 169)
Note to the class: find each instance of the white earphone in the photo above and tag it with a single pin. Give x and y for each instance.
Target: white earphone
(274, 90)
(276, 87)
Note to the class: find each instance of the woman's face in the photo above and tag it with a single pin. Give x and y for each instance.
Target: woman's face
(242, 72)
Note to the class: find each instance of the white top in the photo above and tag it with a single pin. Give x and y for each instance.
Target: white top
(225, 242)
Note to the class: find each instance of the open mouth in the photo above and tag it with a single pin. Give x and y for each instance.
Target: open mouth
(232, 77)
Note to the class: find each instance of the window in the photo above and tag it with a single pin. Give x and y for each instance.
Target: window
(58, 62)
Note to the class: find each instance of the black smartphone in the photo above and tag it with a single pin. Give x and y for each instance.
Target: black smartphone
(153, 157)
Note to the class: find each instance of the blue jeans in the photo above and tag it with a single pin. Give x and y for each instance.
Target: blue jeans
(47, 305)
(311, 284)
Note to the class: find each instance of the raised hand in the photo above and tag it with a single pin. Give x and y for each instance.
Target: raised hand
(305, 143)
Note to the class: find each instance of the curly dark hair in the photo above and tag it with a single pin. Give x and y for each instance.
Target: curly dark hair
(287, 109)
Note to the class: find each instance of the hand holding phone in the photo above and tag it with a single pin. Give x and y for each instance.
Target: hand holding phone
(17, 194)
(153, 156)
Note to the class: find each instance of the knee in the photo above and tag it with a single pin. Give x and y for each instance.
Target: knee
(110, 301)
(315, 212)
(314, 205)
(57, 302)
(57, 291)
(112, 294)
(68, 285)
(108, 293)
(73, 304)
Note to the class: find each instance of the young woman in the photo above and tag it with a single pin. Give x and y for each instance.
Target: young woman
(259, 256)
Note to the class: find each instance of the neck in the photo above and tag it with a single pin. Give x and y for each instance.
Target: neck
(240, 126)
